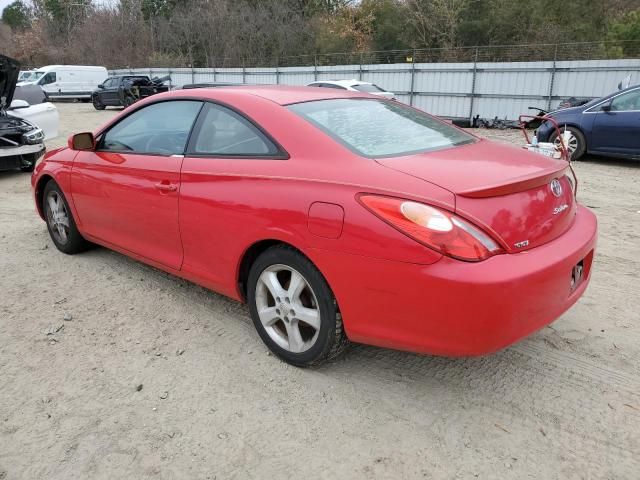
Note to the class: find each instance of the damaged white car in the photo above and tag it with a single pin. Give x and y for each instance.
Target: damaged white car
(25, 122)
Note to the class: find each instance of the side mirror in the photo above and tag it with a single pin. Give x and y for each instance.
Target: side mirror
(606, 107)
(18, 104)
(82, 141)
(101, 86)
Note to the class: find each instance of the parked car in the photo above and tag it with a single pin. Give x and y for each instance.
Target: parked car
(67, 81)
(21, 141)
(605, 126)
(30, 102)
(353, 86)
(125, 90)
(334, 214)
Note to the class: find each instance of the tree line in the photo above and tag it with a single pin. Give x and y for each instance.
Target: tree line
(201, 33)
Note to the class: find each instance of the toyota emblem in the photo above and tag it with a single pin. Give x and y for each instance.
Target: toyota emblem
(556, 187)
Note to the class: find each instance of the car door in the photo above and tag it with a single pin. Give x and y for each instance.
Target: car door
(108, 94)
(126, 191)
(227, 154)
(616, 126)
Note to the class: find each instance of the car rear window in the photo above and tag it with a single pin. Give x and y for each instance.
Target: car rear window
(377, 128)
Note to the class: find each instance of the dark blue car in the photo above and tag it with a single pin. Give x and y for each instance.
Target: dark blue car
(605, 126)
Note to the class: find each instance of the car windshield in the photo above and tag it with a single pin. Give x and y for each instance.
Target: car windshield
(368, 87)
(36, 75)
(378, 128)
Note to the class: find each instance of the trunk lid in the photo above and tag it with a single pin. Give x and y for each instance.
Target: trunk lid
(521, 198)
(9, 70)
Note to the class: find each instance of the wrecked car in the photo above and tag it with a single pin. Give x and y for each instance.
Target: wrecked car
(21, 141)
(31, 103)
(125, 90)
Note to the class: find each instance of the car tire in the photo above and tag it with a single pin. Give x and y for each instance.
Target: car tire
(282, 280)
(60, 223)
(128, 101)
(96, 104)
(577, 136)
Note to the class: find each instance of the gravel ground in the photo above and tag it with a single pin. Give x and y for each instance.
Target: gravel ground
(150, 376)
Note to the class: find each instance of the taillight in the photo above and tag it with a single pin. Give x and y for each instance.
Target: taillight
(435, 228)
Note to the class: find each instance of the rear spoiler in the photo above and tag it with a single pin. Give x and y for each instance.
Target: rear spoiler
(518, 184)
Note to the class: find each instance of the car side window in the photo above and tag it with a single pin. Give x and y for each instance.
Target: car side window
(157, 129)
(48, 78)
(108, 83)
(626, 102)
(223, 132)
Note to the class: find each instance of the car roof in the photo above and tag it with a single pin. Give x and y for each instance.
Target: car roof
(280, 94)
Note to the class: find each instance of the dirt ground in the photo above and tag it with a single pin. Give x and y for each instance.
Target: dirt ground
(154, 377)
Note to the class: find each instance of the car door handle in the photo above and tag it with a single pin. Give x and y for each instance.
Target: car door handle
(166, 187)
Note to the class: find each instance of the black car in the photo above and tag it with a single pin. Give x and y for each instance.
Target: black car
(21, 142)
(125, 90)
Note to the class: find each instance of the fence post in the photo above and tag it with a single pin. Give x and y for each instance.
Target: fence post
(553, 77)
(170, 80)
(193, 75)
(413, 76)
(315, 68)
(278, 71)
(360, 68)
(473, 85)
(215, 75)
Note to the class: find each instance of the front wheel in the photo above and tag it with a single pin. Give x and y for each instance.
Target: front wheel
(293, 308)
(60, 223)
(574, 140)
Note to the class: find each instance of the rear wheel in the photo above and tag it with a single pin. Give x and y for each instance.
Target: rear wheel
(293, 308)
(60, 223)
(96, 103)
(128, 101)
(575, 142)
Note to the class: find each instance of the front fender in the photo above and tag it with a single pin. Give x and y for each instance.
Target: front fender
(56, 165)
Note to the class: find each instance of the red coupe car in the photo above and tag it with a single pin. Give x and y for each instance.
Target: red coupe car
(334, 215)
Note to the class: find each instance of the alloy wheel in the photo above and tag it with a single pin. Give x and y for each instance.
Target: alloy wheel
(288, 308)
(570, 140)
(57, 217)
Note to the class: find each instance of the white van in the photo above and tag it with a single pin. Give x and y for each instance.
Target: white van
(67, 81)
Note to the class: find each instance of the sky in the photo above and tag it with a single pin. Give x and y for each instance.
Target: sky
(4, 3)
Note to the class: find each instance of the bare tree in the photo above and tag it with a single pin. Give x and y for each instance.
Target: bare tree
(436, 22)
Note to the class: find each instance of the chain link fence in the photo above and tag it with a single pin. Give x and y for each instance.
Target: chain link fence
(488, 53)
(490, 82)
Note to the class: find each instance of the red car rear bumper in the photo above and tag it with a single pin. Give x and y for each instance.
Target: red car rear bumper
(455, 308)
